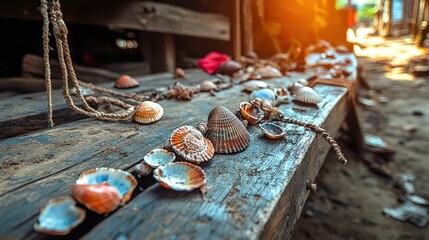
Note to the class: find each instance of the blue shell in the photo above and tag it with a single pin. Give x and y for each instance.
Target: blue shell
(264, 94)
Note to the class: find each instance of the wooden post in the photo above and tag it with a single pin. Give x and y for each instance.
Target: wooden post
(159, 50)
(247, 23)
(235, 29)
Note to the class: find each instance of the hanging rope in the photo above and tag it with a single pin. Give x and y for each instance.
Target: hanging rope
(51, 12)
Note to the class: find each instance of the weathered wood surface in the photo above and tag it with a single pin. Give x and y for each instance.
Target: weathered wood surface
(19, 110)
(136, 15)
(246, 189)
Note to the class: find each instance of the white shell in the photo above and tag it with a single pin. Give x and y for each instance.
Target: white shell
(264, 94)
(180, 176)
(254, 85)
(59, 216)
(307, 95)
(159, 157)
(123, 181)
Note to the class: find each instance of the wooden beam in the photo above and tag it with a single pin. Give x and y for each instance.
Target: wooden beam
(247, 26)
(236, 29)
(160, 52)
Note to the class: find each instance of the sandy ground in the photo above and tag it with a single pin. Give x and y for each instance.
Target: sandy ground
(350, 199)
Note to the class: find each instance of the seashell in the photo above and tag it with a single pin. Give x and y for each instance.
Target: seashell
(207, 86)
(307, 95)
(226, 131)
(266, 106)
(191, 145)
(100, 198)
(123, 181)
(126, 81)
(271, 130)
(202, 127)
(294, 87)
(148, 112)
(180, 176)
(159, 157)
(254, 85)
(266, 72)
(179, 73)
(229, 67)
(303, 81)
(179, 91)
(264, 94)
(143, 169)
(59, 216)
(251, 112)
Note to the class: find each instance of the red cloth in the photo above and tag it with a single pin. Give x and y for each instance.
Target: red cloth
(212, 61)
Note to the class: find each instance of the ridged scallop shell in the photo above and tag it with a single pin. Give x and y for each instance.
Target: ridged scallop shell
(254, 85)
(100, 198)
(272, 131)
(307, 95)
(226, 131)
(126, 81)
(180, 176)
(207, 86)
(159, 157)
(59, 216)
(148, 112)
(264, 94)
(251, 112)
(123, 181)
(202, 127)
(191, 145)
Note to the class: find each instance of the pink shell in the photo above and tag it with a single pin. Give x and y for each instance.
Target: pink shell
(191, 145)
(126, 81)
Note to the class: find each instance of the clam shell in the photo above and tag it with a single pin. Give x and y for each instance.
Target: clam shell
(59, 216)
(100, 198)
(266, 72)
(180, 176)
(191, 145)
(307, 95)
(254, 85)
(143, 169)
(272, 131)
(229, 67)
(264, 94)
(123, 181)
(148, 112)
(226, 131)
(126, 81)
(207, 86)
(159, 157)
(251, 112)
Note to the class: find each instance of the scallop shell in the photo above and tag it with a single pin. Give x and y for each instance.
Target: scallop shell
(272, 131)
(251, 112)
(226, 131)
(159, 157)
(126, 81)
(143, 169)
(59, 216)
(123, 181)
(264, 94)
(207, 86)
(180, 176)
(202, 127)
(307, 95)
(100, 198)
(254, 85)
(148, 112)
(191, 145)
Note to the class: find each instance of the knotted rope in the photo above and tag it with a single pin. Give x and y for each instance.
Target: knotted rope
(51, 12)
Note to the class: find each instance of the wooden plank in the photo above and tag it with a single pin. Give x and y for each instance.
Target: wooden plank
(247, 26)
(33, 107)
(136, 15)
(236, 29)
(65, 151)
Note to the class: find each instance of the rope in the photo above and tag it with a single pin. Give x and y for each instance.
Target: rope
(53, 9)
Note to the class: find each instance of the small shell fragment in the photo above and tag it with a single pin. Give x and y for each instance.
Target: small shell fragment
(159, 157)
(180, 176)
(143, 169)
(148, 112)
(272, 131)
(307, 95)
(206, 86)
(264, 94)
(126, 81)
(59, 216)
(202, 127)
(191, 145)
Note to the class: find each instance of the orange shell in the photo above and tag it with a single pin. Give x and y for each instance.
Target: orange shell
(100, 198)
(191, 145)
(226, 131)
(180, 176)
(252, 113)
(126, 81)
(148, 112)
